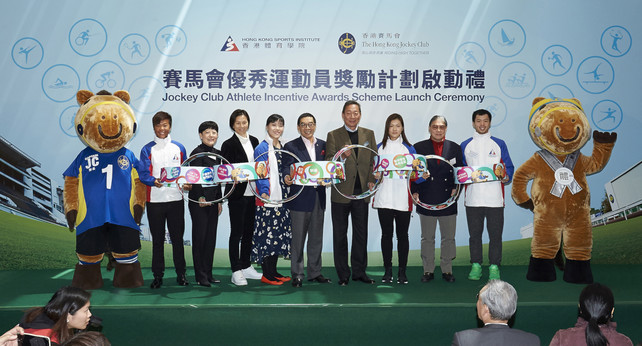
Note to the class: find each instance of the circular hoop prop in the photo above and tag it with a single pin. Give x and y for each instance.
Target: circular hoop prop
(277, 201)
(370, 192)
(186, 164)
(450, 201)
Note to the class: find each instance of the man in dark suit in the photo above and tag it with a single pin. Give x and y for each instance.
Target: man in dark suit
(308, 209)
(496, 304)
(437, 186)
(359, 179)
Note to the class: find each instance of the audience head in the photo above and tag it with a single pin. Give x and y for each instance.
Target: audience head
(68, 308)
(596, 307)
(497, 302)
(88, 339)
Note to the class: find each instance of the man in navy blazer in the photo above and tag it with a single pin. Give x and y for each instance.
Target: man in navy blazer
(307, 210)
(496, 304)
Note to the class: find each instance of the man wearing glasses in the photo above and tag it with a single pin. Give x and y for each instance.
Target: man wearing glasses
(307, 210)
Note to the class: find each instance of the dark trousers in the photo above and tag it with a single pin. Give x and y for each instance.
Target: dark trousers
(204, 227)
(242, 212)
(400, 219)
(358, 209)
(172, 213)
(495, 224)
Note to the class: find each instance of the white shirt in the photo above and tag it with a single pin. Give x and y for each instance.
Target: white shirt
(310, 147)
(164, 154)
(483, 151)
(249, 152)
(392, 193)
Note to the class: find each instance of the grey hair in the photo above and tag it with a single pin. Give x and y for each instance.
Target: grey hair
(500, 298)
(438, 117)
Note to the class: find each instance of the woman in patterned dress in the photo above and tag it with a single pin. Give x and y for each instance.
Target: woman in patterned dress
(272, 230)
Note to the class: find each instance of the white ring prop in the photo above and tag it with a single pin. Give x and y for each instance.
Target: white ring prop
(314, 173)
(450, 201)
(266, 162)
(363, 195)
(199, 175)
(399, 166)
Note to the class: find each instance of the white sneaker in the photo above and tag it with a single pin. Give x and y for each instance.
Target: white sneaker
(251, 273)
(238, 279)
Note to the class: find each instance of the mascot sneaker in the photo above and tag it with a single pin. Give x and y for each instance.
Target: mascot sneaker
(493, 272)
(475, 272)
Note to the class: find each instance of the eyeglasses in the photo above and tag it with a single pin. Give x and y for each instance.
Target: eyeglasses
(307, 125)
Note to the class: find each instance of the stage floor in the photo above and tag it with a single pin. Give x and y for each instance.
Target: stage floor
(427, 313)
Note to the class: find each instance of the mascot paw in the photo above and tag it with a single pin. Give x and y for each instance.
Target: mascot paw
(604, 137)
(138, 214)
(71, 219)
(527, 205)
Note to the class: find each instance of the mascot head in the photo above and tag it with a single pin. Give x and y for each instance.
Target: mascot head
(558, 126)
(104, 122)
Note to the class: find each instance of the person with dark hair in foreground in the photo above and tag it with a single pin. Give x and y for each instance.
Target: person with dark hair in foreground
(88, 339)
(65, 313)
(496, 304)
(594, 326)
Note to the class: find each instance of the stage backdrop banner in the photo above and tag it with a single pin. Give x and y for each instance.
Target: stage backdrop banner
(200, 60)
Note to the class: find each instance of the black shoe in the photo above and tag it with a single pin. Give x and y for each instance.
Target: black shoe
(401, 277)
(213, 280)
(297, 282)
(364, 279)
(157, 283)
(321, 279)
(343, 282)
(387, 275)
(449, 277)
(204, 284)
(181, 280)
(427, 277)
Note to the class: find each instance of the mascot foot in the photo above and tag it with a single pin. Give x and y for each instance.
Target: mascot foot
(128, 275)
(542, 270)
(87, 277)
(578, 272)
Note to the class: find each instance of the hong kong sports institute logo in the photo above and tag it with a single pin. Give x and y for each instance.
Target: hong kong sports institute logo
(347, 43)
(229, 45)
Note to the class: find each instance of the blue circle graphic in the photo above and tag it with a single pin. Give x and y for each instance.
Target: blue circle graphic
(66, 120)
(595, 75)
(507, 38)
(171, 40)
(496, 106)
(607, 113)
(557, 60)
(556, 91)
(136, 46)
(87, 37)
(28, 47)
(616, 41)
(146, 94)
(470, 56)
(517, 80)
(105, 75)
(60, 83)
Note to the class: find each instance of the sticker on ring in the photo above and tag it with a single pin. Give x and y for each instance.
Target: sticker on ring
(479, 174)
(398, 166)
(225, 173)
(313, 173)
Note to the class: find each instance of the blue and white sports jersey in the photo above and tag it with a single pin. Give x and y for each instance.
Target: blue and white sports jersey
(105, 188)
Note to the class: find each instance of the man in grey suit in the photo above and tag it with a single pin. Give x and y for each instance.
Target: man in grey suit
(496, 304)
(359, 179)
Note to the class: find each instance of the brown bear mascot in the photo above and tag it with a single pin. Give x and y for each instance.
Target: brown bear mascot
(560, 198)
(104, 198)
